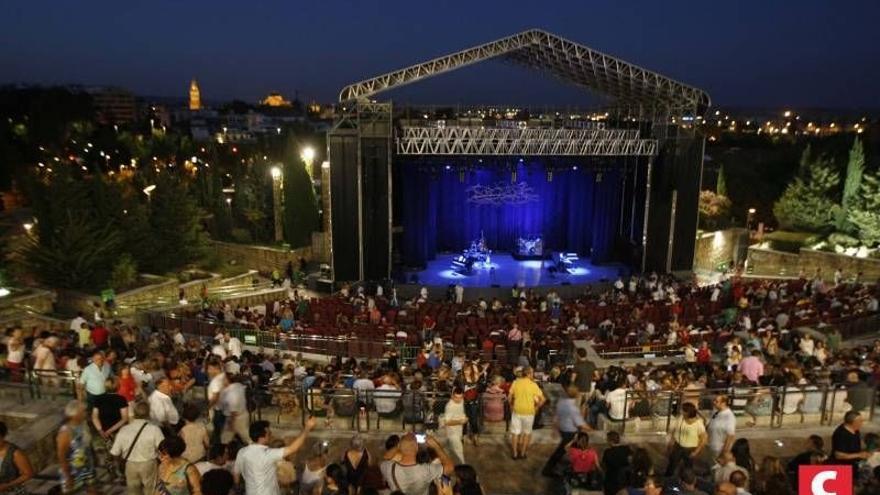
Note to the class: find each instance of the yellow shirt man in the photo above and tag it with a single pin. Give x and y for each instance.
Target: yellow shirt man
(525, 393)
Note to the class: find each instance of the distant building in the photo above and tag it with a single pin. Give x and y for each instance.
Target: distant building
(113, 105)
(275, 100)
(195, 99)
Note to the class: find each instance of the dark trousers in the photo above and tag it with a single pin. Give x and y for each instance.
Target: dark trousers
(679, 457)
(218, 422)
(557, 454)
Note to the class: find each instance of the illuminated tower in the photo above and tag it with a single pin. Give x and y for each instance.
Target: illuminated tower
(195, 100)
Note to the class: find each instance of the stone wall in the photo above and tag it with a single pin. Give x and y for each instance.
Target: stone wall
(720, 247)
(162, 292)
(763, 261)
(34, 300)
(261, 258)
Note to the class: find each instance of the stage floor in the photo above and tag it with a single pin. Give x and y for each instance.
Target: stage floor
(506, 272)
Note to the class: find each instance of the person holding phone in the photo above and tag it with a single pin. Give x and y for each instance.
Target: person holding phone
(403, 472)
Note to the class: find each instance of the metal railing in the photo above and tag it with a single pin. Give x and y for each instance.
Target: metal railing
(39, 383)
(765, 407)
(365, 410)
(285, 342)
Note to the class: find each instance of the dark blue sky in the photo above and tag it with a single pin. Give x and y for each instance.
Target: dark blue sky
(743, 52)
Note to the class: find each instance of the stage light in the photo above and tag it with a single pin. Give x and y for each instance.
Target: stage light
(574, 167)
(449, 167)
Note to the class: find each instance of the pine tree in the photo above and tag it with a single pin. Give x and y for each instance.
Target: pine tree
(176, 232)
(855, 168)
(865, 216)
(807, 203)
(300, 206)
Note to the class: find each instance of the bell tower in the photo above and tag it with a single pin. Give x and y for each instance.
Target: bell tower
(195, 100)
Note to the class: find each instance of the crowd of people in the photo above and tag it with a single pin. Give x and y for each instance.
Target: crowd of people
(139, 414)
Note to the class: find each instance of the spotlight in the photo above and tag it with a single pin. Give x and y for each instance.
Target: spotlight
(448, 167)
(574, 167)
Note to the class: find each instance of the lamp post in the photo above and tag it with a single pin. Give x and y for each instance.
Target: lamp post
(308, 157)
(277, 201)
(749, 218)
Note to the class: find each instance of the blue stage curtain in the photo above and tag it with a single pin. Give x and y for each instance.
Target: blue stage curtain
(574, 212)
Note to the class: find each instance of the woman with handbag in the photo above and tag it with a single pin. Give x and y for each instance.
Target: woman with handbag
(686, 440)
(176, 475)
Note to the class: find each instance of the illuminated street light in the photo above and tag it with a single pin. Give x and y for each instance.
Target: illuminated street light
(276, 172)
(28, 226)
(308, 157)
(278, 201)
(149, 190)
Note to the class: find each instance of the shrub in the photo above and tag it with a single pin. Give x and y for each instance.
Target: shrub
(790, 242)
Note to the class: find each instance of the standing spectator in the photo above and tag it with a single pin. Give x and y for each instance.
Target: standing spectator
(615, 463)
(215, 386)
(752, 367)
(570, 421)
(686, 439)
(256, 466)
(217, 482)
(109, 415)
(525, 398)
(356, 461)
(15, 353)
(93, 378)
(44, 359)
(74, 451)
(99, 335)
(233, 403)
(846, 441)
(162, 410)
(175, 475)
(402, 470)
(137, 443)
(84, 336)
(454, 419)
(722, 427)
(76, 323)
(233, 344)
(194, 434)
(15, 467)
(582, 375)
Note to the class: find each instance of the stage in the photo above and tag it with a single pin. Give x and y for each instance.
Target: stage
(504, 271)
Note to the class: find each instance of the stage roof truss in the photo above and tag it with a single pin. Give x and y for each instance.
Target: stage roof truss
(627, 84)
(522, 142)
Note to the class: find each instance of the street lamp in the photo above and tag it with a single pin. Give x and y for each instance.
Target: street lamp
(28, 226)
(308, 156)
(278, 201)
(749, 219)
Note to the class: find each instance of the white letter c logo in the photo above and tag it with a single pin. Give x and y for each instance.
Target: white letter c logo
(818, 485)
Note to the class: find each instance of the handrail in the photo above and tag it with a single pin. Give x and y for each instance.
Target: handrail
(663, 405)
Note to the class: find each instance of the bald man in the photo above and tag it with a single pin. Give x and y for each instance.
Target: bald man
(725, 488)
(403, 472)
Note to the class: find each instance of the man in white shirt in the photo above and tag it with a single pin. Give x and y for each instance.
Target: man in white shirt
(233, 345)
(721, 428)
(76, 323)
(140, 466)
(179, 339)
(219, 349)
(617, 403)
(362, 385)
(162, 410)
(233, 403)
(215, 386)
(256, 466)
(386, 396)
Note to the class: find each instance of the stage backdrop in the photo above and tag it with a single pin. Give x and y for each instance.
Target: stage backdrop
(577, 211)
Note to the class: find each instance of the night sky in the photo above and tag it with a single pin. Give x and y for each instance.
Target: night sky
(767, 53)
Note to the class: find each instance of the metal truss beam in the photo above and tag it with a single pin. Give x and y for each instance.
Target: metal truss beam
(523, 142)
(626, 83)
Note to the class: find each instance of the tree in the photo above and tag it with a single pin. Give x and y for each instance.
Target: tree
(855, 168)
(808, 203)
(300, 206)
(714, 210)
(865, 215)
(76, 254)
(721, 186)
(176, 233)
